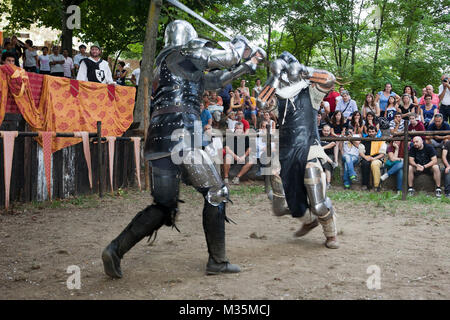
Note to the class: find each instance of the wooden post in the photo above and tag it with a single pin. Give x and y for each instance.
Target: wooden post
(146, 116)
(99, 158)
(405, 160)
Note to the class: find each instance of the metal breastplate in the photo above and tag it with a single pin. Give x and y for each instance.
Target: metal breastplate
(176, 104)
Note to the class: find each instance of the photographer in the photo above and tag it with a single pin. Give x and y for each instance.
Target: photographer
(444, 97)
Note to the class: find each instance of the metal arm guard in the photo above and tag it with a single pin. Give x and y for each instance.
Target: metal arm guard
(204, 177)
(320, 205)
(279, 205)
(220, 78)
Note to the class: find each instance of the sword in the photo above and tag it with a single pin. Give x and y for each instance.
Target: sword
(198, 17)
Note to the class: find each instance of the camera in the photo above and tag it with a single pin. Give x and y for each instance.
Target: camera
(445, 80)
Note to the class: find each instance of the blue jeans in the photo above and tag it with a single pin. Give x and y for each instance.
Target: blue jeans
(397, 169)
(349, 161)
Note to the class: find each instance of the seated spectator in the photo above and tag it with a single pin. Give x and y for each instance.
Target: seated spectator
(372, 156)
(250, 110)
(244, 91)
(324, 107)
(350, 157)
(44, 62)
(238, 153)
(331, 99)
(235, 100)
(415, 125)
(347, 105)
(446, 161)
(423, 159)
(338, 128)
(8, 58)
(370, 120)
(240, 117)
(215, 103)
(120, 74)
(370, 106)
(68, 65)
(394, 163)
(391, 109)
(397, 125)
(434, 96)
(410, 91)
(226, 97)
(356, 122)
(271, 122)
(257, 89)
(438, 124)
(30, 57)
(328, 146)
(205, 116)
(428, 111)
(406, 106)
(231, 120)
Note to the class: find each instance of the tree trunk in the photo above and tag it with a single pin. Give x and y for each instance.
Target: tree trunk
(378, 37)
(269, 38)
(148, 58)
(67, 34)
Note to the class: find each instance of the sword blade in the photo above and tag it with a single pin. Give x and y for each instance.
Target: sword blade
(197, 16)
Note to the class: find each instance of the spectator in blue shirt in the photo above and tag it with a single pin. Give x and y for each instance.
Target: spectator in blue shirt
(438, 124)
(205, 115)
(383, 96)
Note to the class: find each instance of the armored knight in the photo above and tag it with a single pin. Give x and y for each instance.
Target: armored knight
(300, 184)
(181, 80)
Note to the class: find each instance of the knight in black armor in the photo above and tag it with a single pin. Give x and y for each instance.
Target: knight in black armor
(298, 179)
(175, 122)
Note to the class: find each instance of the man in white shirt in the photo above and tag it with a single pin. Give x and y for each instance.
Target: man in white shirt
(80, 56)
(135, 75)
(94, 68)
(44, 62)
(68, 64)
(444, 97)
(56, 62)
(30, 57)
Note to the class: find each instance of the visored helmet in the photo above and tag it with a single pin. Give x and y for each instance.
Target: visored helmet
(179, 32)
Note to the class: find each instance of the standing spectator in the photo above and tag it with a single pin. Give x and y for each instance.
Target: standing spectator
(240, 117)
(428, 111)
(120, 74)
(394, 163)
(238, 153)
(438, 124)
(269, 121)
(243, 89)
(446, 161)
(372, 155)
(337, 125)
(390, 110)
(350, 157)
(78, 57)
(371, 120)
(44, 62)
(235, 100)
(331, 99)
(444, 97)
(370, 106)
(328, 146)
(30, 57)
(7, 46)
(16, 49)
(339, 97)
(347, 105)
(205, 116)
(397, 125)
(135, 75)
(95, 68)
(257, 89)
(415, 125)
(434, 97)
(226, 97)
(409, 90)
(68, 64)
(383, 96)
(56, 62)
(406, 106)
(423, 159)
(8, 58)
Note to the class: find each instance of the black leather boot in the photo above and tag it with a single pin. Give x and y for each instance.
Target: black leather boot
(214, 227)
(143, 224)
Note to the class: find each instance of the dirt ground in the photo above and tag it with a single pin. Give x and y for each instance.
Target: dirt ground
(409, 246)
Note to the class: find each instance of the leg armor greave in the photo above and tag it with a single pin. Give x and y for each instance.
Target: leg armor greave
(214, 227)
(279, 205)
(319, 203)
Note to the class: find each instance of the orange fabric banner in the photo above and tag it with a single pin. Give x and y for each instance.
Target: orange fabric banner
(68, 105)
